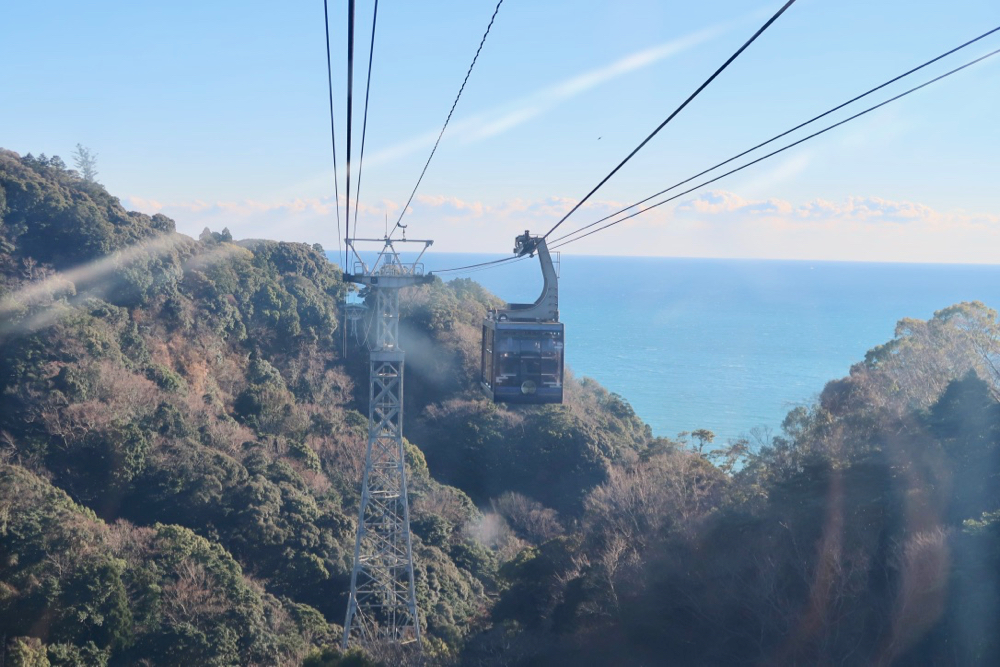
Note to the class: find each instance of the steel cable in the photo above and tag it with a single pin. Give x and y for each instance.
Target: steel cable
(783, 134)
(447, 120)
(364, 124)
(780, 150)
(676, 111)
(350, 105)
(333, 132)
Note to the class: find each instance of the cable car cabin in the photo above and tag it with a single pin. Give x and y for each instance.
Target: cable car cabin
(523, 344)
(523, 361)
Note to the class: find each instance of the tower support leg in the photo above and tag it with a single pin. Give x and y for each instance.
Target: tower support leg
(382, 607)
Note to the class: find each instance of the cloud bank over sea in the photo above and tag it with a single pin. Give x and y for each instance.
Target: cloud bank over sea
(717, 223)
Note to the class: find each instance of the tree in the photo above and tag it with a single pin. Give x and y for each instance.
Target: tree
(704, 437)
(86, 162)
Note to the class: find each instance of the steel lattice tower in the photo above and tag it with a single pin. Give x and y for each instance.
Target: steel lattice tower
(382, 607)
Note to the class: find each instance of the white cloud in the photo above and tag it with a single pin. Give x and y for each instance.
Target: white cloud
(872, 209)
(452, 205)
(859, 228)
(714, 224)
(145, 205)
(719, 204)
(456, 224)
(505, 117)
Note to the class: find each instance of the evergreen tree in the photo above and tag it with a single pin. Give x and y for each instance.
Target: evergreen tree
(86, 162)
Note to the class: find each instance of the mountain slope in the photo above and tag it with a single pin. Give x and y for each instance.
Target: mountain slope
(165, 382)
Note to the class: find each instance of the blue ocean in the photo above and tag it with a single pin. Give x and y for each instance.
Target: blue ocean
(726, 345)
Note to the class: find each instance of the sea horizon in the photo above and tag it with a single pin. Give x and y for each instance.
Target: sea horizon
(729, 345)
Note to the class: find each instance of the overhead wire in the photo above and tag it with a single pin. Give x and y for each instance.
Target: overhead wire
(475, 266)
(780, 150)
(448, 119)
(481, 266)
(783, 134)
(364, 124)
(333, 132)
(350, 106)
(676, 111)
(510, 260)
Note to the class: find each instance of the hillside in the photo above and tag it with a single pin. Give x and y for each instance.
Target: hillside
(182, 435)
(157, 385)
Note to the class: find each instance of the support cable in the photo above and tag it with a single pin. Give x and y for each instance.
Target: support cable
(474, 266)
(448, 119)
(350, 105)
(783, 134)
(484, 265)
(364, 124)
(511, 260)
(671, 116)
(333, 132)
(780, 150)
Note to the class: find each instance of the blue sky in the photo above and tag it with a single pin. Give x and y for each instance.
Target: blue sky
(216, 114)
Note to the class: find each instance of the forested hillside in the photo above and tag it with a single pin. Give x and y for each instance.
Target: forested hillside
(182, 440)
(182, 435)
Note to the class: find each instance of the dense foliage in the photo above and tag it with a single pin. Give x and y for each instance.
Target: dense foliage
(173, 394)
(868, 532)
(182, 436)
